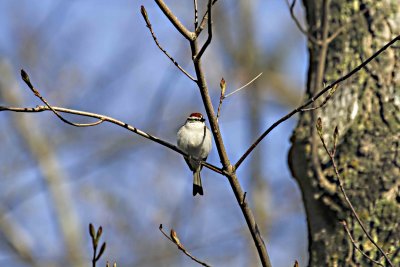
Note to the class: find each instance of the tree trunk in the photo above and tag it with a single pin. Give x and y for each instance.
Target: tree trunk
(366, 109)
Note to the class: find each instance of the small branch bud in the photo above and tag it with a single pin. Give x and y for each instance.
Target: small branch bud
(319, 126)
(99, 232)
(175, 238)
(92, 231)
(144, 14)
(335, 140)
(222, 85)
(25, 78)
(333, 90)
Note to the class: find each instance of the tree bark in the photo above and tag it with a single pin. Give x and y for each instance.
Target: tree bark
(366, 109)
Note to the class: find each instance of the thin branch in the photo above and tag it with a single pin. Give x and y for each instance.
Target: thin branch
(95, 236)
(175, 21)
(196, 18)
(174, 239)
(244, 86)
(356, 246)
(113, 121)
(343, 27)
(331, 37)
(243, 199)
(339, 179)
(223, 96)
(222, 86)
(26, 79)
(208, 41)
(355, 213)
(221, 99)
(313, 98)
(200, 28)
(148, 24)
(298, 24)
(330, 94)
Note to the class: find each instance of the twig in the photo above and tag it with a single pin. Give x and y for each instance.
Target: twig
(339, 30)
(222, 86)
(314, 40)
(244, 198)
(208, 41)
(174, 239)
(355, 213)
(196, 19)
(356, 246)
(298, 24)
(331, 92)
(339, 179)
(190, 36)
(221, 99)
(244, 86)
(313, 98)
(223, 96)
(148, 24)
(26, 79)
(200, 28)
(95, 236)
(113, 121)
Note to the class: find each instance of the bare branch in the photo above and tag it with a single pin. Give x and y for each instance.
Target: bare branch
(298, 24)
(244, 86)
(330, 94)
(227, 167)
(312, 99)
(26, 79)
(200, 28)
(196, 18)
(314, 40)
(148, 24)
(356, 246)
(113, 121)
(339, 179)
(222, 86)
(174, 239)
(340, 29)
(208, 41)
(175, 21)
(95, 236)
(223, 96)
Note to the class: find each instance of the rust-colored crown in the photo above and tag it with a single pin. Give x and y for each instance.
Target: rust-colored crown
(196, 115)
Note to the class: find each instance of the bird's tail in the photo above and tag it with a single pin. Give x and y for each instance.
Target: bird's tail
(197, 187)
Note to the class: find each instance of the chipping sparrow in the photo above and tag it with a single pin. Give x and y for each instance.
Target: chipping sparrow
(194, 138)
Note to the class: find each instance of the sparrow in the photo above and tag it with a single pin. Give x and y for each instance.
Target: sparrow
(194, 138)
